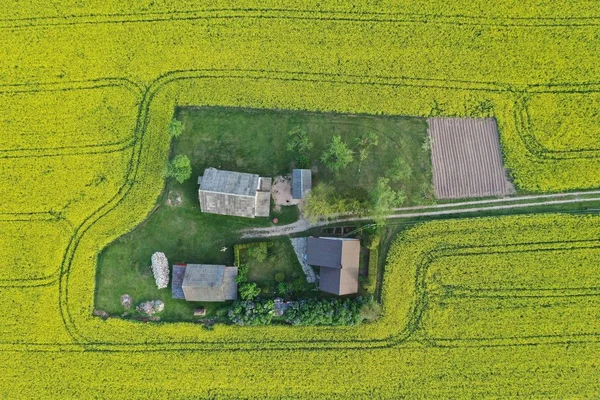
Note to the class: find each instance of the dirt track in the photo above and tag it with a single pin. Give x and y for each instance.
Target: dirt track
(434, 210)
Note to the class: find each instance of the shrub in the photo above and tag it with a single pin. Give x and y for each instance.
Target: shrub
(179, 168)
(300, 145)
(251, 312)
(324, 312)
(283, 288)
(370, 310)
(248, 291)
(370, 283)
(242, 276)
(176, 128)
(279, 277)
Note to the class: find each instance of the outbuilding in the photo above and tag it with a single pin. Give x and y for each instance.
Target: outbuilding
(234, 193)
(339, 261)
(301, 183)
(204, 282)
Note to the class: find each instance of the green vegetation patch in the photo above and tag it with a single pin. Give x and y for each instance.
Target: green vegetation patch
(256, 141)
(259, 141)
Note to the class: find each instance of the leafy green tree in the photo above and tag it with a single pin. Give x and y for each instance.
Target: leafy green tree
(248, 291)
(258, 251)
(299, 144)
(383, 200)
(176, 128)
(299, 141)
(338, 155)
(179, 168)
(324, 201)
(400, 170)
(365, 142)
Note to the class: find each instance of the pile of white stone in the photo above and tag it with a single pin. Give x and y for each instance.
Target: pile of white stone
(160, 269)
(300, 246)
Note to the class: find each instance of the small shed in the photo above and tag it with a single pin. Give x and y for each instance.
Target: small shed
(204, 282)
(301, 183)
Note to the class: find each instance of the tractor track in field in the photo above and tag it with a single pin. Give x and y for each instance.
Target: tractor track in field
(70, 321)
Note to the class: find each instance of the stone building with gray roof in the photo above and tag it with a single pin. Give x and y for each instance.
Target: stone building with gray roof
(204, 282)
(339, 261)
(234, 193)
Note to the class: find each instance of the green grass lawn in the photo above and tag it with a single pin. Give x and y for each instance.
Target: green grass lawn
(255, 141)
(247, 141)
(281, 258)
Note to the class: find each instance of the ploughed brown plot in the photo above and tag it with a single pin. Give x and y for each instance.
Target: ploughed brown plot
(466, 157)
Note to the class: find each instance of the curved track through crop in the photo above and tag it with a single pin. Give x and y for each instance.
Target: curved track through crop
(147, 95)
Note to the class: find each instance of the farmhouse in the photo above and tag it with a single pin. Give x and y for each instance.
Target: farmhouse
(338, 259)
(234, 193)
(203, 282)
(301, 183)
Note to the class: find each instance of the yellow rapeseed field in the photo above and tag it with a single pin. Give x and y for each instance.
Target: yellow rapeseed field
(488, 307)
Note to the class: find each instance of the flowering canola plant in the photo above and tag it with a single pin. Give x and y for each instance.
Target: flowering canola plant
(472, 308)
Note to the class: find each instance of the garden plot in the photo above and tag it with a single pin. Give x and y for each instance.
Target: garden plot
(466, 157)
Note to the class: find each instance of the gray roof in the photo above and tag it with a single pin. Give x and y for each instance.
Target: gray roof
(301, 182)
(339, 262)
(203, 282)
(177, 281)
(238, 183)
(325, 252)
(263, 204)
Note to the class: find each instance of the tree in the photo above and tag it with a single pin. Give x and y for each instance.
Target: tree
(160, 269)
(324, 201)
(298, 140)
(300, 145)
(383, 199)
(258, 251)
(248, 291)
(179, 168)
(400, 170)
(338, 155)
(365, 142)
(176, 128)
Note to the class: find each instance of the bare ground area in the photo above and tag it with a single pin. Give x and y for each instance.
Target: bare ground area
(281, 191)
(467, 159)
